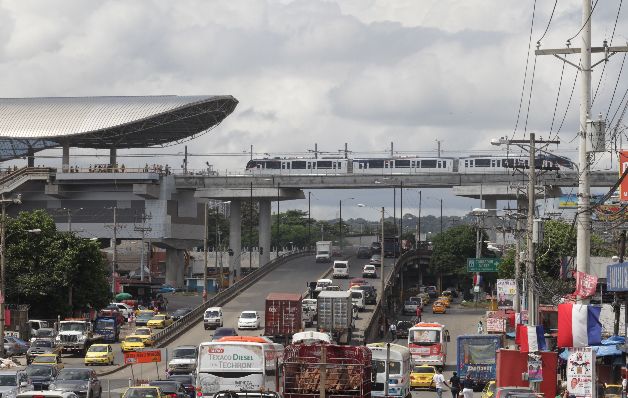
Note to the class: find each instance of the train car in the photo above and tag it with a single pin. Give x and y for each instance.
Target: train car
(506, 164)
(299, 166)
(404, 165)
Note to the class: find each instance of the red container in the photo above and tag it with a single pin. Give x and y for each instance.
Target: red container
(283, 314)
(511, 364)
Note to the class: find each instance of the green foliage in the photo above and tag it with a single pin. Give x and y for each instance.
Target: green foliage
(451, 250)
(42, 268)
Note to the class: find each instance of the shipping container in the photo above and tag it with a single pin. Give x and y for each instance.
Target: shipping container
(335, 315)
(343, 370)
(283, 314)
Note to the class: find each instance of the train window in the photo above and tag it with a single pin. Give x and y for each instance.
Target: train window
(323, 164)
(386, 163)
(444, 164)
(298, 164)
(482, 162)
(402, 164)
(413, 164)
(428, 164)
(285, 165)
(466, 163)
(273, 164)
(376, 164)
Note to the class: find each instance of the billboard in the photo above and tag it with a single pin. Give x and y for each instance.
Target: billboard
(581, 372)
(623, 164)
(617, 277)
(506, 290)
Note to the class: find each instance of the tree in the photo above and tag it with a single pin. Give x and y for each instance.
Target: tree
(55, 272)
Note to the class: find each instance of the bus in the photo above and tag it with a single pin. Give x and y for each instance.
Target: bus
(427, 342)
(399, 368)
(238, 363)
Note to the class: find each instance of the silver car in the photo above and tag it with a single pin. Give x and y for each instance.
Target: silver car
(13, 382)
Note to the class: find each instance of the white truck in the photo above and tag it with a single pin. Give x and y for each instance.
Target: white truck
(335, 315)
(323, 251)
(76, 335)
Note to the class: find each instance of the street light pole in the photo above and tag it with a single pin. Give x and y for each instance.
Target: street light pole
(204, 297)
(383, 299)
(3, 295)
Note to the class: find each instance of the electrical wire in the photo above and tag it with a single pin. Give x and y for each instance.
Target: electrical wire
(560, 83)
(623, 60)
(549, 22)
(525, 73)
(525, 127)
(585, 22)
(610, 43)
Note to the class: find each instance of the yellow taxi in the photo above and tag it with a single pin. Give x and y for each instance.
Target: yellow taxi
(132, 343)
(48, 359)
(99, 354)
(143, 310)
(439, 307)
(146, 334)
(144, 391)
(160, 321)
(489, 390)
(445, 299)
(421, 376)
(612, 390)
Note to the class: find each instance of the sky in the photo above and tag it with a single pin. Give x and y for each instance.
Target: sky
(326, 72)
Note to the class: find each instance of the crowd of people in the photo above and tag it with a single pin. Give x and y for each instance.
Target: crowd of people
(115, 168)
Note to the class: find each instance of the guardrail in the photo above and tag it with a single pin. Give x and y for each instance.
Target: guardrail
(371, 330)
(185, 323)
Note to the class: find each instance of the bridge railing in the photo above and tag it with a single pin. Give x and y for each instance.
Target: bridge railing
(185, 323)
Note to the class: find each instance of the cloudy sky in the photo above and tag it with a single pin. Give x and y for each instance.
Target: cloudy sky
(362, 72)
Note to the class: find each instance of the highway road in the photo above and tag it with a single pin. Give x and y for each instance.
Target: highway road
(291, 277)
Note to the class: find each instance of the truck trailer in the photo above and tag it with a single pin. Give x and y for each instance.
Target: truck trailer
(282, 317)
(477, 357)
(323, 251)
(335, 315)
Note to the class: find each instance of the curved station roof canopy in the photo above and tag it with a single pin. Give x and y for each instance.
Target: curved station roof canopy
(28, 125)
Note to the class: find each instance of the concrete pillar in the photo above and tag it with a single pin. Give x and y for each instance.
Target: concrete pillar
(265, 225)
(30, 157)
(113, 156)
(175, 267)
(65, 158)
(235, 239)
(491, 219)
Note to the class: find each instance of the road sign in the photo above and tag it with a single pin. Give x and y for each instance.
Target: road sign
(482, 264)
(146, 356)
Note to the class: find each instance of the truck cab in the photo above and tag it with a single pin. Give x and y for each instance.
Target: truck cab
(323, 252)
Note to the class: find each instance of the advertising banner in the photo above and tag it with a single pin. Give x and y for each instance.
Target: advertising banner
(146, 356)
(506, 290)
(623, 163)
(535, 368)
(585, 284)
(581, 372)
(495, 325)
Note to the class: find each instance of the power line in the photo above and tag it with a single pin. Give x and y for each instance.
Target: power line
(584, 24)
(621, 69)
(610, 44)
(548, 22)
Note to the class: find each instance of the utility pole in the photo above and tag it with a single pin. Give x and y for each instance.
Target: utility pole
(583, 241)
(143, 229)
(532, 297)
(438, 150)
(205, 238)
(115, 250)
(309, 219)
(616, 304)
(381, 274)
(419, 223)
(441, 216)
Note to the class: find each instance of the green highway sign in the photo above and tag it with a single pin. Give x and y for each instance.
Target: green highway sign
(482, 264)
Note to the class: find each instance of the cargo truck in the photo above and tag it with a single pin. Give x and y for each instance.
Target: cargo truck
(335, 315)
(76, 335)
(108, 327)
(323, 251)
(344, 371)
(477, 357)
(283, 316)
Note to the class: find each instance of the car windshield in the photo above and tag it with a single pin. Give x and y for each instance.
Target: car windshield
(8, 380)
(72, 327)
(42, 343)
(159, 317)
(212, 314)
(340, 265)
(134, 339)
(44, 359)
(141, 393)
(248, 315)
(98, 348)
(181, 311)
(45, 333)
(145, 316)
(423, 369)
(142, 331)
(105, 324)
(224, 332)
(73, 374)
(166, 387)
(356, 294)
(369, 268)
(39, 371)
(188, 353)
(185, 379)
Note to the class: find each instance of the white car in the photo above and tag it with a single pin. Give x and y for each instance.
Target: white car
(340, 269)
(125, 309)
(249, 320)
(369, 271)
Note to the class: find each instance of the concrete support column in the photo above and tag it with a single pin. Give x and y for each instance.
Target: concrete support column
(30, 157)
(265, 226)
(235, 239)
(175, 267)
(65, 158)
(491, 219)
(113, 156)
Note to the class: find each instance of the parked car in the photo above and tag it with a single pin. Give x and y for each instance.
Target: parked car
(363, 252)
(11, 348)
(167, 289)
(223, 332)
(183, 359)
(171, 388)
(41, 375)
(22, 346)
(41, 346)
(180, 313)
(188, 381)
(82, 381)
(249, 320)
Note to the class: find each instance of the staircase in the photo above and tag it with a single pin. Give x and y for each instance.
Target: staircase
(12, 180)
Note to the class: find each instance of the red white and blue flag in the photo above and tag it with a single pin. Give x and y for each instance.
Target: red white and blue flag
(477, 279)
(530, 338)
(579, 325)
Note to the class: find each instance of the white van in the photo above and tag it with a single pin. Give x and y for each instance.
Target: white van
(341, 269)
(358, 299)
(212, 317)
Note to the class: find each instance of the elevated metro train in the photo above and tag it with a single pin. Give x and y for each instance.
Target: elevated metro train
(404, 165)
